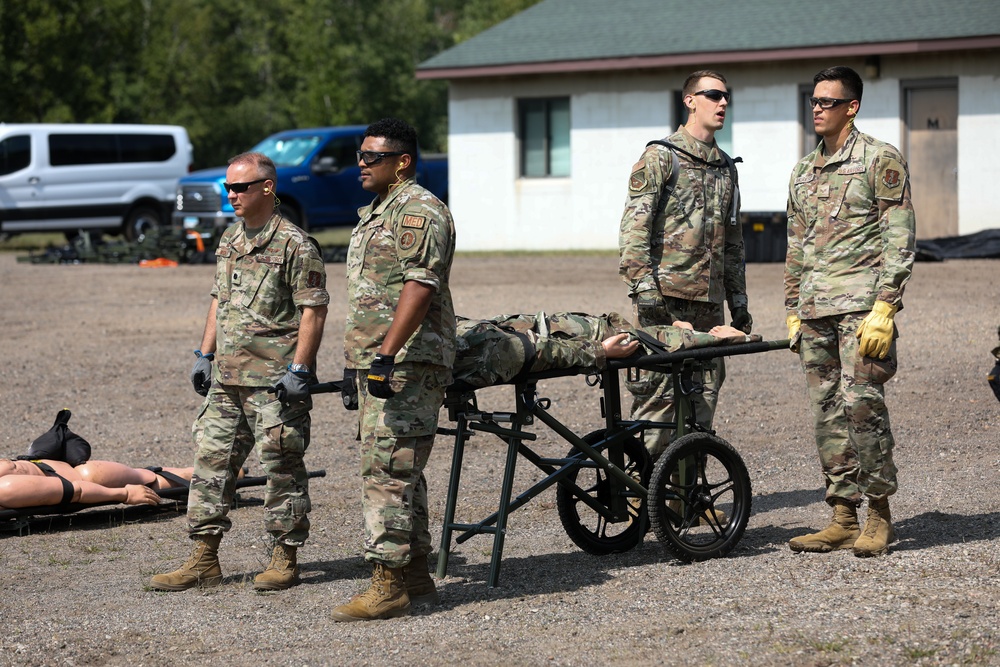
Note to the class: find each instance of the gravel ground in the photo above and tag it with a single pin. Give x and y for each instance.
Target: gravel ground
(113, 343)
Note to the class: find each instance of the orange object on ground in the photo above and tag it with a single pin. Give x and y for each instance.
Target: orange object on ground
(158, 263)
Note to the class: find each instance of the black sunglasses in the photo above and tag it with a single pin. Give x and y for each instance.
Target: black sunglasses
(714, 95)
(826, 102)
(239, 188)
(374, 157)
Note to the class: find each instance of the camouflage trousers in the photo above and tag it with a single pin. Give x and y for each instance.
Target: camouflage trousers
(653, 393)
(848, 401)
(232, 420)
(396, 439)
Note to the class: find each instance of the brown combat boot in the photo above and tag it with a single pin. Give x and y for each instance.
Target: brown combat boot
(385, 598)
(842, 532)
(282, 573)
(878, 533)
(201, 569)
(419, 584)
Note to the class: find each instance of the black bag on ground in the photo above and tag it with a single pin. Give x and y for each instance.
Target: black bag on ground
(59, 443)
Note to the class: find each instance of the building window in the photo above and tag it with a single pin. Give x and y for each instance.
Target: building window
(809, 137)
(544, 125)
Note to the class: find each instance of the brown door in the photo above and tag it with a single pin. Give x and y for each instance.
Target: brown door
(932, 153)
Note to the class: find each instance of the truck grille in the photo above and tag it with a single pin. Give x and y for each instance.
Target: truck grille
(199, 199)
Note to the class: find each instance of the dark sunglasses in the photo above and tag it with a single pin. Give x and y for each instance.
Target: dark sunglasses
(373, 157)
(826, 102)
(714, 95)
(240, 188)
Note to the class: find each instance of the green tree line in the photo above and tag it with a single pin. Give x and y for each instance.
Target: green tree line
(231, 72)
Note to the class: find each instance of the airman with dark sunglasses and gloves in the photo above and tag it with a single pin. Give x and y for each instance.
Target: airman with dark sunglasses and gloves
(400, 349)
(851, 232)
(256, 360)
(681, 246)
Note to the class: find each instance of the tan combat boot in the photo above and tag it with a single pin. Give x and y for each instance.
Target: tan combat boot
(706, 519)
(282, 573)
(878, 533)
(201, 569)
(842, 532)
(419, 584)
(385, 598)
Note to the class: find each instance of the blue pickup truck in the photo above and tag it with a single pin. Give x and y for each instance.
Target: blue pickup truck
(318, 181)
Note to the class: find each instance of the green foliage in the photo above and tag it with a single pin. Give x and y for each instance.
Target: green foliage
(233, 74)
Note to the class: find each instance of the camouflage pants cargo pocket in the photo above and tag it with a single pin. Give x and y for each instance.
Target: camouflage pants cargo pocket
(397, 435)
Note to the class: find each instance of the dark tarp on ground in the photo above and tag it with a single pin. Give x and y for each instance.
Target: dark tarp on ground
(984, 244)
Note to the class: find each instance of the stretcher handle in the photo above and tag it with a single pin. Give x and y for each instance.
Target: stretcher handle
(699, 353)
(326, 387)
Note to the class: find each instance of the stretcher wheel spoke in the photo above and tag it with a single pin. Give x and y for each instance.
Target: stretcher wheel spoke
(699, 497)
(589, 530)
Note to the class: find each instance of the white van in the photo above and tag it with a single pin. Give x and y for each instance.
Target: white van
(68, 178)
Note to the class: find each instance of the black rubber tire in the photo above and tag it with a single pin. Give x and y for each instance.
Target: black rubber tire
(588, 529)
(720, 484)
(140, 220)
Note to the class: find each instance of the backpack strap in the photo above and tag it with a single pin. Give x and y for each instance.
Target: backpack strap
(668, 187)
(727, 161)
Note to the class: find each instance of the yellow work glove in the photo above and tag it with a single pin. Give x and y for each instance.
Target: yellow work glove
(794, 324)
(876, 330)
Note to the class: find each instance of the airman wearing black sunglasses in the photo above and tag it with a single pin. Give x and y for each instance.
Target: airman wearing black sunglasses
(254, 366)
(681, 244)
(850, 254)
(399, 346)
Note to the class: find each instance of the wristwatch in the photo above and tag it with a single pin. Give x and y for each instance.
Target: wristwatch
(298, 368)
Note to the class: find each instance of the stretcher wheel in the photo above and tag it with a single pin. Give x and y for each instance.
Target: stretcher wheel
(699, 497)
(590, 531)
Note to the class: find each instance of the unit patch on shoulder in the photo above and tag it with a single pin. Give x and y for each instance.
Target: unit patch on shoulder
(407, 239)
(415, 221)
(637, 182)
(314, 279)
(890, 184)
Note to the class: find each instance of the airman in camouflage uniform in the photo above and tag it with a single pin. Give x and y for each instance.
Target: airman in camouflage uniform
(265, 323)
(497, 350)
(681, 252)
(850, 254)
(400, 336)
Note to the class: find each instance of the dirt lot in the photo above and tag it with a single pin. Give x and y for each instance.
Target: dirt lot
(113, 344)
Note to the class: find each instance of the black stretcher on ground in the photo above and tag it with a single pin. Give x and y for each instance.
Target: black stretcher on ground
(696, 498)
(173, 493)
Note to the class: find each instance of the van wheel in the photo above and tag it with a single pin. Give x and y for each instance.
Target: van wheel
(140, 221)
(291, 214)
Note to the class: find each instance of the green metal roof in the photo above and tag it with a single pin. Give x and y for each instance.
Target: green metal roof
(569, 30)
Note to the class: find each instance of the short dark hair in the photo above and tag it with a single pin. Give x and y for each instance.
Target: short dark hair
(692, 80)
(264, 164)
(848, 78)
(398, 134)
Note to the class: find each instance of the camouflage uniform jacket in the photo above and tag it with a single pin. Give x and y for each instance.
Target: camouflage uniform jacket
(690, 250)
(850, 229)
(261, 283)
(495, 351)
(409, 236)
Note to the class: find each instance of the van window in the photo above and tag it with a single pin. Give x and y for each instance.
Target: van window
(70, 149)
(15, 153)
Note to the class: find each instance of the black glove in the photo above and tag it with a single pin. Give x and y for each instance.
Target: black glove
(349, 388)
(201, 374)
(379, 375)
(293, 387)
(650, 304)
(994, 379)
(742, 319)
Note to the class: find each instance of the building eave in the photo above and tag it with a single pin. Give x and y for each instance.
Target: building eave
(712, 58)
